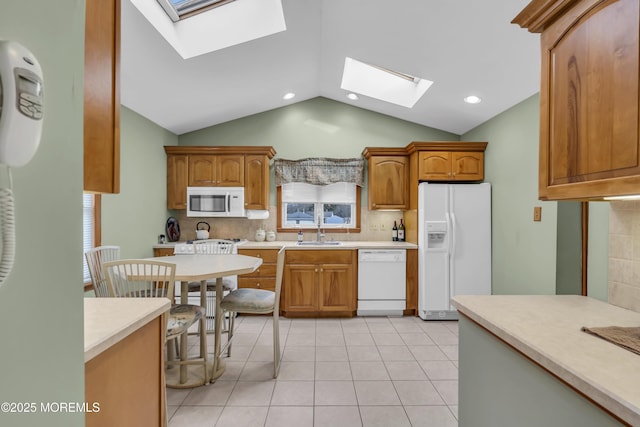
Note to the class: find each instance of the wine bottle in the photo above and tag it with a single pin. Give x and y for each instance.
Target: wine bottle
(394, 232)
(401, 231)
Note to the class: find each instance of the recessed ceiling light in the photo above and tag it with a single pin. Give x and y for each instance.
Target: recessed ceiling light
(472, 99)
(289, 95)
(353, 96)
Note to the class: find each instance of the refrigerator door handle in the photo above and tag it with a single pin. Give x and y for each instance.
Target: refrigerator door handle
(453, 235)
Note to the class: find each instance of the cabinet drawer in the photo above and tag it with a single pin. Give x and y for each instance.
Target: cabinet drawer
(162, 251)
(267, 255)
(268, 283)
(319, 257)
(265, 270)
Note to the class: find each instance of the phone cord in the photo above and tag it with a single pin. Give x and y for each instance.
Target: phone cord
(7, 231)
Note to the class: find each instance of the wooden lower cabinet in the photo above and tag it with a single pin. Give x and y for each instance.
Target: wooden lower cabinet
(127, 380)
(320, 283)
(265, 276)
(162, 251)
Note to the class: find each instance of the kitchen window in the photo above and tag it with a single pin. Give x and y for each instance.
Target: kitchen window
(335, 205)
(319, 191)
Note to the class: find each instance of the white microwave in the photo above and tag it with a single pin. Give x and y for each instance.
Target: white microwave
(215, 201)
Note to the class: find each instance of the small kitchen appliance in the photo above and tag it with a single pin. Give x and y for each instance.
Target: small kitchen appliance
(202, 233)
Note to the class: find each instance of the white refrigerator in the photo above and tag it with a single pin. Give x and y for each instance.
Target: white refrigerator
(454, 246)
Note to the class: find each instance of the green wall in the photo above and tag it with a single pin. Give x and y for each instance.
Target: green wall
(569, 249)
(318, 127)
(524, 251)
(41, 311)
(135, 217)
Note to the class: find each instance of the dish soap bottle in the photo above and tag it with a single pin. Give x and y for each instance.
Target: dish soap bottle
(300, 236)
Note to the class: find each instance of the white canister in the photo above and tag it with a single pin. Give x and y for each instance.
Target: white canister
(271, 236)
(260, 235)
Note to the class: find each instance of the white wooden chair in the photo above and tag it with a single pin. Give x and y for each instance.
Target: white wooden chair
(95, 257)
(156, 279)
(257, 301)
(212, 247)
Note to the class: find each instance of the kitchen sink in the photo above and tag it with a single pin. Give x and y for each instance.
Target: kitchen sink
(319, 243)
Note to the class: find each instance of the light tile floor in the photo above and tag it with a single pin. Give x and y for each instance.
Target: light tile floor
(365, 371)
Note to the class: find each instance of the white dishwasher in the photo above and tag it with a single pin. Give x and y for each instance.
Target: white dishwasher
(382, 289)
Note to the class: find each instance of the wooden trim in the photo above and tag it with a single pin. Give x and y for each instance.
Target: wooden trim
(585, 247)
(281, 229)
(539, 14)
(446, 146)
(382, 151)
(241, 149)
(411, 307)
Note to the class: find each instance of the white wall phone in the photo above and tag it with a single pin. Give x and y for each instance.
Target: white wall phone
(21, 112)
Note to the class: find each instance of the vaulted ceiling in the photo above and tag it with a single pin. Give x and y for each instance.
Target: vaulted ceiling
(464, 46)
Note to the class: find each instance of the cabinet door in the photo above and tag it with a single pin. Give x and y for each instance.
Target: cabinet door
(434, 166)
(102, 97)
(388, 182)
(589, 140)
(467, 166)
(335, 291)
(230, 171)
(301, 292)
(202, 171)
(256, 188)
(177, 179)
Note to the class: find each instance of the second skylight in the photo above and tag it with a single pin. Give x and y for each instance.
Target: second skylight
(383, 84)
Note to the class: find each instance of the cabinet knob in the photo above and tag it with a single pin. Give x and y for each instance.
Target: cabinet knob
(374, 205)
(259, 256)
(257, 285)
(321, 270)
(258, 271)
(316, 270)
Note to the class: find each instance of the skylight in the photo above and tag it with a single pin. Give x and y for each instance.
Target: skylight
(180, 9)
(237, 22)
(382, 83)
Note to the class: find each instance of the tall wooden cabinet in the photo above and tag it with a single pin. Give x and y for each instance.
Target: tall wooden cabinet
(219, 166)
(388, 178)
(102, 96)
(589, 97)
(320, 283)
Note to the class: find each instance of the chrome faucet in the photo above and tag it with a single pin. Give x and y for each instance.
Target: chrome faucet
(320, 235)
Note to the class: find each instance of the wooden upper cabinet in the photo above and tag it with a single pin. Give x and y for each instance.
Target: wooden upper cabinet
(219, 166)
(177, 179)
(451, 166)
(589, 99)
(388, 181)
(102, 96)
(256, 193)
(216, 171)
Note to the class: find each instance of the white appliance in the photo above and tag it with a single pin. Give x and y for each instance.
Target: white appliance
(215, 201)
(382, 289)
(454, 246)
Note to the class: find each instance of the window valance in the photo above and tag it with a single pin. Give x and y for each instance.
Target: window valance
(319, 171)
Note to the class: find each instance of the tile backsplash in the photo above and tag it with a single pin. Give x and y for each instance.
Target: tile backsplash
(624, 255)
(371, 227)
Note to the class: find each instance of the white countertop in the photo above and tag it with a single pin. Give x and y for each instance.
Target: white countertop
(110, 320)
(291, 244)
(546, 328)
(346, 244)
